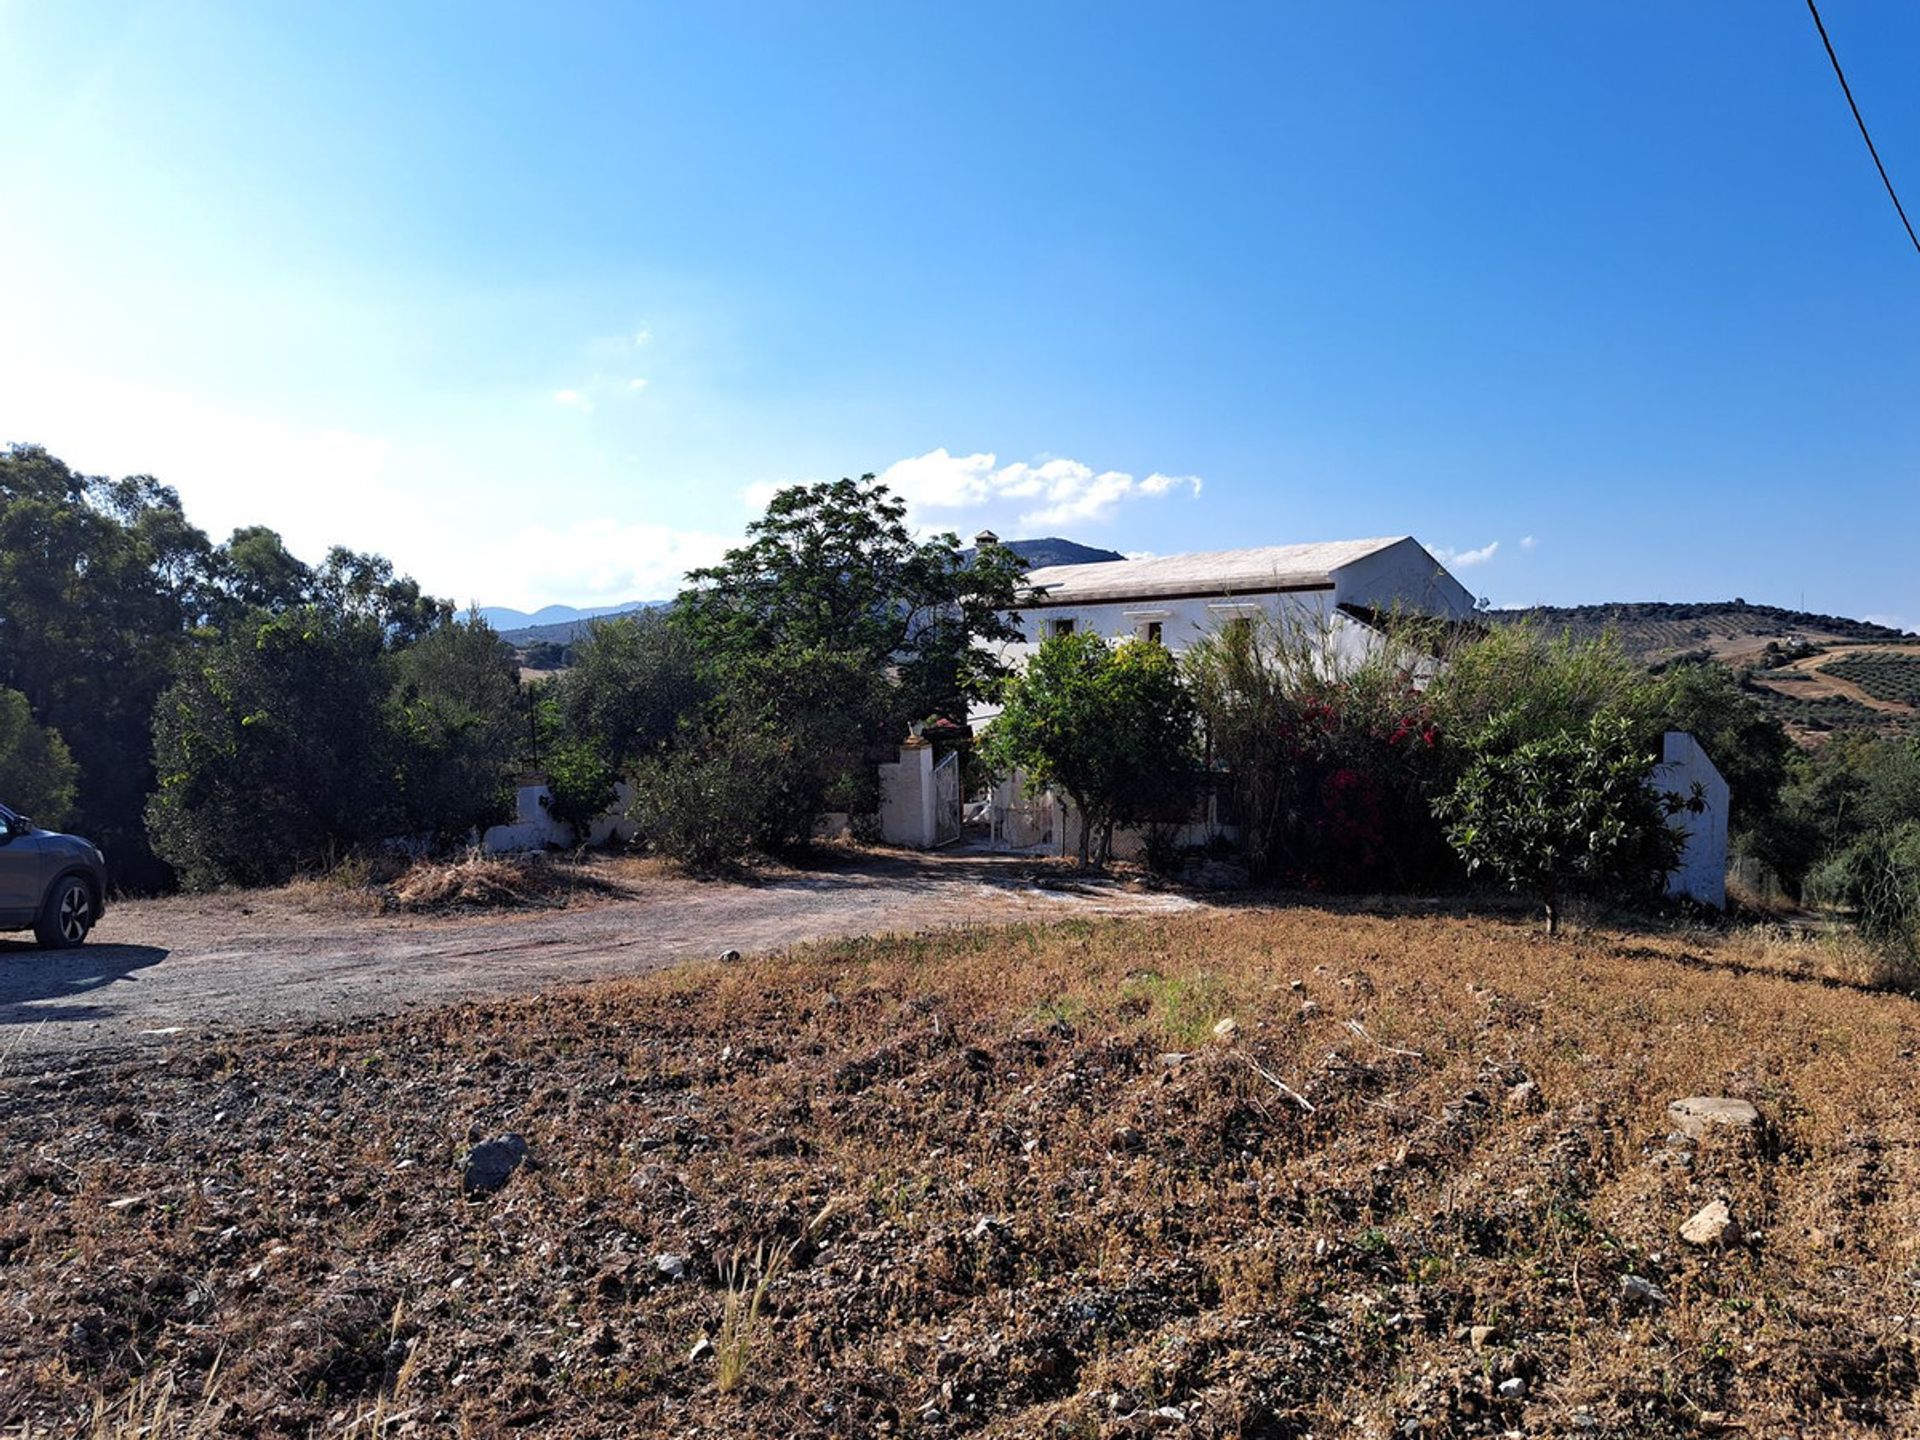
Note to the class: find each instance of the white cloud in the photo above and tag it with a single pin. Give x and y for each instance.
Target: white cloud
(1527, 542)
(639, 383)
(642, 336)
(1053, 492)
(603, 559)
(1892, 622)
(573, 400)
(1464, 559)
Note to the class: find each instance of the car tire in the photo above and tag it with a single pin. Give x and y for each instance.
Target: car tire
(67, 916)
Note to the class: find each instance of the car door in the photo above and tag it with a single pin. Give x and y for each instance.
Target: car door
(20, 866)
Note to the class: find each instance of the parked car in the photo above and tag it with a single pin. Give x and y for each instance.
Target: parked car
(54, 885)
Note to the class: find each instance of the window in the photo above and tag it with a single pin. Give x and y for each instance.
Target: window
(1150, 632)
(1063, 627)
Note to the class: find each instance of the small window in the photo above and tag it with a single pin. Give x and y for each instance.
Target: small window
(1063, 627)
(1152, 632)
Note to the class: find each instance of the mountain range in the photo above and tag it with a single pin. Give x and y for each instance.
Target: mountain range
(562, 624)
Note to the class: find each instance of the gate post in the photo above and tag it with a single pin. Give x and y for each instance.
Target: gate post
(907, 815)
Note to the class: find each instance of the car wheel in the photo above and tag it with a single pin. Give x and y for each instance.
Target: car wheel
(68, 915)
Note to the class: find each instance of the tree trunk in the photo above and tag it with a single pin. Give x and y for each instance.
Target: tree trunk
(1553, 914)
(1086, 832)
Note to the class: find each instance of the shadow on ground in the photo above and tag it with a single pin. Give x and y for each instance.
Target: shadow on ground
(29, 975)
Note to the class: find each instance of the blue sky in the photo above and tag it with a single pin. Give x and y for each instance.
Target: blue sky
(1605, 300)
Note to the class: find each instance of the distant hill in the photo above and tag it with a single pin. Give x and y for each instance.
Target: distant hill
(1052, 550)
(565, 632)
(504, 619)
(1817, 673)
(1731, 631)
(563, 624)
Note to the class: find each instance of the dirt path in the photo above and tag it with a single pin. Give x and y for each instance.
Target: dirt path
(160, 970)
(1824, 683)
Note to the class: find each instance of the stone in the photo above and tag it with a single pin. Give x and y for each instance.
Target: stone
(1639, 1289)
(1127, 1141)
(1514, 1389)
(1525, 1098)
(1482, 1336)
(729, 955)
(1167, 1416)
(670, 1267)
(1309, 1009)
(702, 1350)
(1698, 1116)
(491, 1163)
(1226, 1031)
(1708, 1225)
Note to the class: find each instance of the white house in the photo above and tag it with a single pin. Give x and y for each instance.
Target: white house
(1341, 585)
(1339, 588)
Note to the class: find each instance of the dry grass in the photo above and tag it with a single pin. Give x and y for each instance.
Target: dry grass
(1055, 1204)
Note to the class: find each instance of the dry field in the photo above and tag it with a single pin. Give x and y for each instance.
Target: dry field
(1002, 1183)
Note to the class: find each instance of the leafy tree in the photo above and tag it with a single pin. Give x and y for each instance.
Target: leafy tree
(99, 581)
(1514, 684)
(37, 774)
(726, 792)
(633, 679)
(272, 751)
(1111, 727)
(814, 644)
(1566, 812)
(453, 720)
(833, 567)
(1749, 747)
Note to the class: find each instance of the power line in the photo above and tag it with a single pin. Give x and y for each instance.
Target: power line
(1872, 150)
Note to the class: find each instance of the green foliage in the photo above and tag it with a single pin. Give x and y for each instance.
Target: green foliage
(1565, 812)
(1514, 685)
(37, 774)
(268, 749)
(633, 679)
(813, 645)
(1749, 747)
(453, 725)
(833, 567)
(1892, 676)
(1112, 727)
(1878, 877)
(580, 781)
(99, 581)
(1331, 754)
(724, 794)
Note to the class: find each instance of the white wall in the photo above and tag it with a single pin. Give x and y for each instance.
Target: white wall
(1702, 872)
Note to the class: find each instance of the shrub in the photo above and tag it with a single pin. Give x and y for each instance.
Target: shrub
(1331, 754)
(1113, 727)
(716, 798)
(1566, 813)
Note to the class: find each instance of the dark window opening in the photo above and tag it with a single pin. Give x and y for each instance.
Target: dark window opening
(1063, 627)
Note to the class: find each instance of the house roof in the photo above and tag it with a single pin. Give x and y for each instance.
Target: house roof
(1260, 570)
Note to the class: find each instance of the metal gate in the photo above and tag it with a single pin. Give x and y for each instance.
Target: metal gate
(946, 799)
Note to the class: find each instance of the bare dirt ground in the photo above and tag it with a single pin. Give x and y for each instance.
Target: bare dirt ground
(157, 970)
(1245, 1172)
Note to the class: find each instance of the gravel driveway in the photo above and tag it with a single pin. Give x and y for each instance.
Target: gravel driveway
(163, 970)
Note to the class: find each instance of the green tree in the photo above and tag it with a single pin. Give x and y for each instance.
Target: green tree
(1749, 747)
(1111, 727)
(454, 720)
(37, 774)
(1567, 812)
(833, 567)
(815, 643)
(272, 751)
(633, 679)
(99, 583)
